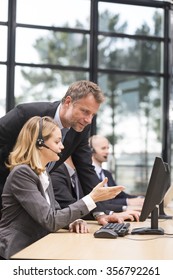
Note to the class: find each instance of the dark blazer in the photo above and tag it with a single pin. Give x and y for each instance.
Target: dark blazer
(26, 214)
(65, 195)
(63, 190)
(75, 143)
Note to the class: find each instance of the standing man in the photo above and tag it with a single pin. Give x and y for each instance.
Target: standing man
(74, 112)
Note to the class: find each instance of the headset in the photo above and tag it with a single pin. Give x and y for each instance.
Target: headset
(40, 141)
(91, 145)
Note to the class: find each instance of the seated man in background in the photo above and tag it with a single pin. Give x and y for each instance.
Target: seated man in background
(67, 190)
(100, 152)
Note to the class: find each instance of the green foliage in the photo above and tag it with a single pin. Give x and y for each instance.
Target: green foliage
(71, 49)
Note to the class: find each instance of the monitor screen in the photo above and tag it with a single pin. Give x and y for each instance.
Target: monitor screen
(157, 188)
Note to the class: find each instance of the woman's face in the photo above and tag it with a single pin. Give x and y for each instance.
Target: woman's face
(53, 147)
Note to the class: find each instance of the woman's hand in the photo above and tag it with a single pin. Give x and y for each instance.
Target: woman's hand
(79, 226)
(100, 193)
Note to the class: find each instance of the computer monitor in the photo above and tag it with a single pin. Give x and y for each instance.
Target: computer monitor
(157, 188)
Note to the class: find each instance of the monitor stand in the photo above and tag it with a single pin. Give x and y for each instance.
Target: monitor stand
(154, 229)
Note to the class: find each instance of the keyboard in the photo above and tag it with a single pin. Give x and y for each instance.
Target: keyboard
(112, 230)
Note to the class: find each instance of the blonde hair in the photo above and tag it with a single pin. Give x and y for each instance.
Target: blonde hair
(26, 150)
(83, 88)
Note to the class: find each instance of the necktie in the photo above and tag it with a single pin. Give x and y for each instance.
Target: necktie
(64, 131)
(74, 181)
(101, 175)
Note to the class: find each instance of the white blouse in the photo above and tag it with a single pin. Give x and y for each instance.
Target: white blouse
(45, 183)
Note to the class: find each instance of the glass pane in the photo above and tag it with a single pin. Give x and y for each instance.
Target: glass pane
(129, 54)
(42, 46)
(132, 175)
(171, 94)
(132, 122)
(35, 84)
(3, 44)
(67, 13)
(129, 19)
(3, 10)
(171, 128)
(3, 90)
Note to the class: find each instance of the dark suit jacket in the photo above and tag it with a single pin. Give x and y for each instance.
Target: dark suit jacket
(63, 190)
(26, 214)
(65, 195)
(75, 143)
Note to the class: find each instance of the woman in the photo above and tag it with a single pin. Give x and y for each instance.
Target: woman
(29, 208)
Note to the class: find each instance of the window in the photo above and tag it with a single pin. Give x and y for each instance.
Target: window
(54, 13)
(125, 48)
(130, 70)
(3, 53)
(3, 10)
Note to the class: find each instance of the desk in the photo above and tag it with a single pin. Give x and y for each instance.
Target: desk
(67, 246)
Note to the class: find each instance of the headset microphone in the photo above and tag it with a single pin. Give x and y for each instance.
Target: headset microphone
(40, 140)
(44, 145)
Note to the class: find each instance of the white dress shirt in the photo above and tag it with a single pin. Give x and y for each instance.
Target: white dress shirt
(45, 183)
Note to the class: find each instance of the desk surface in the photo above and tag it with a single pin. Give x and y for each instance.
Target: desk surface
(67, 246)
